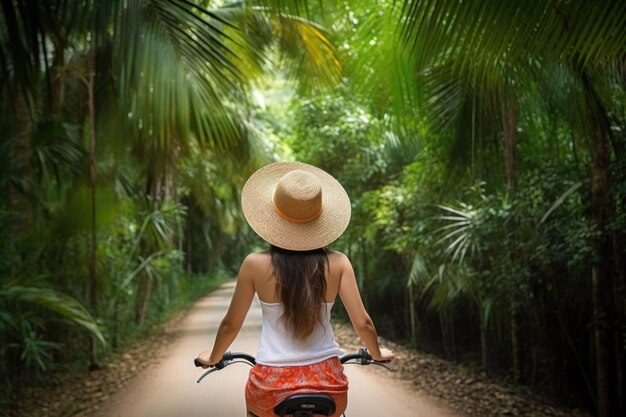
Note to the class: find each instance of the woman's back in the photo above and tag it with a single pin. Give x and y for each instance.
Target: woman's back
(266, 284)
(280, 344)
(277, 347)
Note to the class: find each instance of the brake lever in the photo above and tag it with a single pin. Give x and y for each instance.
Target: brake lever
(217, 367)
(384, 365)
(371, 362)
(206, 373)
(246, 362)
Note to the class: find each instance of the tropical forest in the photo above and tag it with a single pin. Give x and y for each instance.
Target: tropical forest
(482, 144)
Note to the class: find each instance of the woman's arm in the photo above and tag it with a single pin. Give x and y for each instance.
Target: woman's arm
(236, 314)
(361, 321)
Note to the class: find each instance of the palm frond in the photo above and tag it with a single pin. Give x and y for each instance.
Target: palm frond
(57, 302)
(177, 75)
(310, 45)
(445, 287)
(308, 9)
(461, 214)
(379, 68)
(458, 233)
(584, 33)
(560, 201)
(419, 270)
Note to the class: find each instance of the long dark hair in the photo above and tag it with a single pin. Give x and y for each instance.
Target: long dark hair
(301, 280)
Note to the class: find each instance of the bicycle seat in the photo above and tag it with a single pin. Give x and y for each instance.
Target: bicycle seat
(306, 405)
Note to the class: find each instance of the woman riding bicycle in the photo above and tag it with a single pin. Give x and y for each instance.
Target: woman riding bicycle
(299, 210)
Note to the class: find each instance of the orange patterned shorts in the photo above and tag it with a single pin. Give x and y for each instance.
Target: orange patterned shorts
(269, 385)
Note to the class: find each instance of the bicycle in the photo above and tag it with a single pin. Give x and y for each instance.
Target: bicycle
(298, 405)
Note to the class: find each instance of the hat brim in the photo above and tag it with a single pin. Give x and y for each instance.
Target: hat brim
(258, 209)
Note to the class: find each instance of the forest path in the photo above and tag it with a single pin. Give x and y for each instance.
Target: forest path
(168, 388)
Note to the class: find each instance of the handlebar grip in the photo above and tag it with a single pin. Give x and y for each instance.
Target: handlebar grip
(226, 359)
(366, 357)
(362, 357)
(218, 365)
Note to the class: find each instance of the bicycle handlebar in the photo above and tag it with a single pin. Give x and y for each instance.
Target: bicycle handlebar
(362, 357)
(227, 359)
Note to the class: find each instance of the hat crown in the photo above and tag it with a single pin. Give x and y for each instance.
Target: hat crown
(298, 196)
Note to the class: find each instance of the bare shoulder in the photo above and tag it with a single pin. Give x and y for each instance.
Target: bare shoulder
(338, 260)
(253, 267)
(258, 257)
(257, 261)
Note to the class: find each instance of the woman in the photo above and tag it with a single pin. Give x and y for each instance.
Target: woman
(299, 210)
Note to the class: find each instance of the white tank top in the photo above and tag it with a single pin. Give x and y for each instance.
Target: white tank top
(278, 348)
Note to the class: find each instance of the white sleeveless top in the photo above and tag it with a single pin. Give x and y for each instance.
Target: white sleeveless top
(278, 348)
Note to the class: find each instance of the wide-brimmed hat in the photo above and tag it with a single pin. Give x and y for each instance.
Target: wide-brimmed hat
(295, 206)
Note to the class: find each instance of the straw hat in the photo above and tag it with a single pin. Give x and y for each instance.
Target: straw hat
(295, 206)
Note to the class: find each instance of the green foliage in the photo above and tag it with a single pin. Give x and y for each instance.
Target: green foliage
(35, 351)
(125, 142)
(432, 212)
(455, 247)
(342, 137)
(54, 301)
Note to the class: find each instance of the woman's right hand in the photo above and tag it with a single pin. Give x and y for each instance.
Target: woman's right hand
(386, 355)
(205, 358)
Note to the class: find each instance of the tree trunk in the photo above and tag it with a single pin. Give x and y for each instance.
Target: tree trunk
(93, 273)
(144, 294)
(19, 200)
(453, 339)
(145, 286)
(516, 340)
(619, 336)
(363, 276)
(444, 333)
(159, 186)
(601, 318)
(601, 248)
(510, 143)
(510, 139)
(93, 253)
(484, 348)
(57, 86)
(188, 255)
(412, 316)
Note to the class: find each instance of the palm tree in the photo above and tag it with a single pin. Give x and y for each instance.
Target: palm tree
(202, 102)
(491, 41)
(147, 78)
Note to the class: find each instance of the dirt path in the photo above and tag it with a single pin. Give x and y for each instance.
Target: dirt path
(168, 388)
